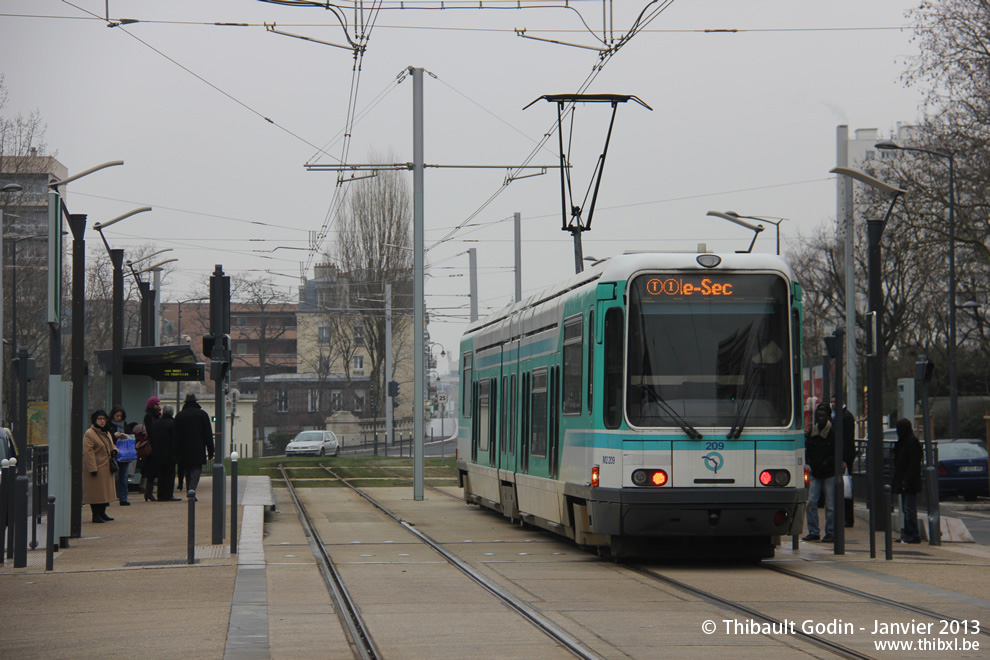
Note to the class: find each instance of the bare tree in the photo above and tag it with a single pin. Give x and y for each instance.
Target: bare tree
(23, 151)
(373, 247)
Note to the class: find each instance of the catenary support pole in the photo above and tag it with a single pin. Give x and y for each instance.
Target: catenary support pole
(77, 224)
(419, 315)
(517, 242)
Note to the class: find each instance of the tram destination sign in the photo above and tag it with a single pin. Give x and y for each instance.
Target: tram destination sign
(708, 286)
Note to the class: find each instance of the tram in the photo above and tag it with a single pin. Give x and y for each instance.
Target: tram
(648, 405)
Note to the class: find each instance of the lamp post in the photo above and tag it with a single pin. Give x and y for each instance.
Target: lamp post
(148, 311)
(117, 261)
(890, 145)
(77, 224)
(874, 361)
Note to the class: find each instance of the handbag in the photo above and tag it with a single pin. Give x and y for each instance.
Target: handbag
(114, 468)
(126, 449)
(143, 448)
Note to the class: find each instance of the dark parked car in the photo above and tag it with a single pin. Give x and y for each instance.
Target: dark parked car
(962, 469)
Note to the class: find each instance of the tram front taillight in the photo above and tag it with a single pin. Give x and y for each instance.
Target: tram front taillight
(649, 478)
(595, 479)
(807, 476)
(775, 478)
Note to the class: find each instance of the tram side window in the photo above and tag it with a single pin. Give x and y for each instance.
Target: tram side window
(538, 414)
(524, 427)
(614, 322)
(474, 427)
(492, 420)
(591, 357)
(504, 433)
(466, 373)
(483, 421)
(796, 378)
(512, 416)
(573, 376)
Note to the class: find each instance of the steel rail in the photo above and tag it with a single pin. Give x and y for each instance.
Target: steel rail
(725, 603)
(359, 635)
(876, 599)
(530, 614)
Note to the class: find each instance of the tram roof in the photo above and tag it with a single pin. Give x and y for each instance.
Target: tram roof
(623, 266)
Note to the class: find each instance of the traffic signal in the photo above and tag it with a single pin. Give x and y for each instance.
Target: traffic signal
(393, 388)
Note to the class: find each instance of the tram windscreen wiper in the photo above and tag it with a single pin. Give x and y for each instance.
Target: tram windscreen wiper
(748, 398)
(687, 428)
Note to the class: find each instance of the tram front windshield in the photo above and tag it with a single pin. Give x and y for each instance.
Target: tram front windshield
(708, 349)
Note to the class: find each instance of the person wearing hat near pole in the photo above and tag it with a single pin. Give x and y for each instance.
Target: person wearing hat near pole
(194, 437)
(819, 450)
(149, 465)
(98, 479)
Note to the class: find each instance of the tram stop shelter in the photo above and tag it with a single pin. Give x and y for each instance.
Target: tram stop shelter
(143, 366)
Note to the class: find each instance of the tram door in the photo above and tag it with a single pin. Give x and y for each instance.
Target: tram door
(507, 414)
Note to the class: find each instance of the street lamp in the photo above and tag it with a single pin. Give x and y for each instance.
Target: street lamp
(890, 145)
(148, 296)
(732, 216)
(874, 362)
(117, 261)
(57, 466)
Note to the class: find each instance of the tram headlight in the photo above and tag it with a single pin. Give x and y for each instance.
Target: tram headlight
(595, 478)
(807, 477)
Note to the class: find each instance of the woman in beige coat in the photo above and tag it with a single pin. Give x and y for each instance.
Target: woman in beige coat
(98, 480)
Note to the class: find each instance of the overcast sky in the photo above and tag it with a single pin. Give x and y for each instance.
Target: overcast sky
(215, 124)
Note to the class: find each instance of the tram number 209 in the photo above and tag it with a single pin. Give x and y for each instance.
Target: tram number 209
(608, 460)
(714, 445)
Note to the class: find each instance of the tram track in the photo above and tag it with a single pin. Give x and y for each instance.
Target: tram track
(652, 574)
(738, 608)
(357, 631)
(906, 607)
(360, 635)
(709, 597)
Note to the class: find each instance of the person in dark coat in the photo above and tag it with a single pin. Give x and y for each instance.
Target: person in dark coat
(907, 478)
(848, 454)
(149, 466)
(819, 450)
(194, 435)
(162, 438)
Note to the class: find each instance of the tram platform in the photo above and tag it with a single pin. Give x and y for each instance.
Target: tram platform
(124, 588)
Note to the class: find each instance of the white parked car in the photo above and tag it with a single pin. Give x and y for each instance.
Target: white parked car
(313, 443)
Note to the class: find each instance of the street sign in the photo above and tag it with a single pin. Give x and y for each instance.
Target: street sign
(442, 397)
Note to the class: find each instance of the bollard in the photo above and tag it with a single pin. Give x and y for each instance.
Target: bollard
(887, 535)
(233, 502)
(50, 542)
(376, 442)
(9, 483)
(20, 521)
(4, 471)
(191, 540)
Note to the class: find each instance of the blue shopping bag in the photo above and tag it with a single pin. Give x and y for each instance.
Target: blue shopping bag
(125, 450)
